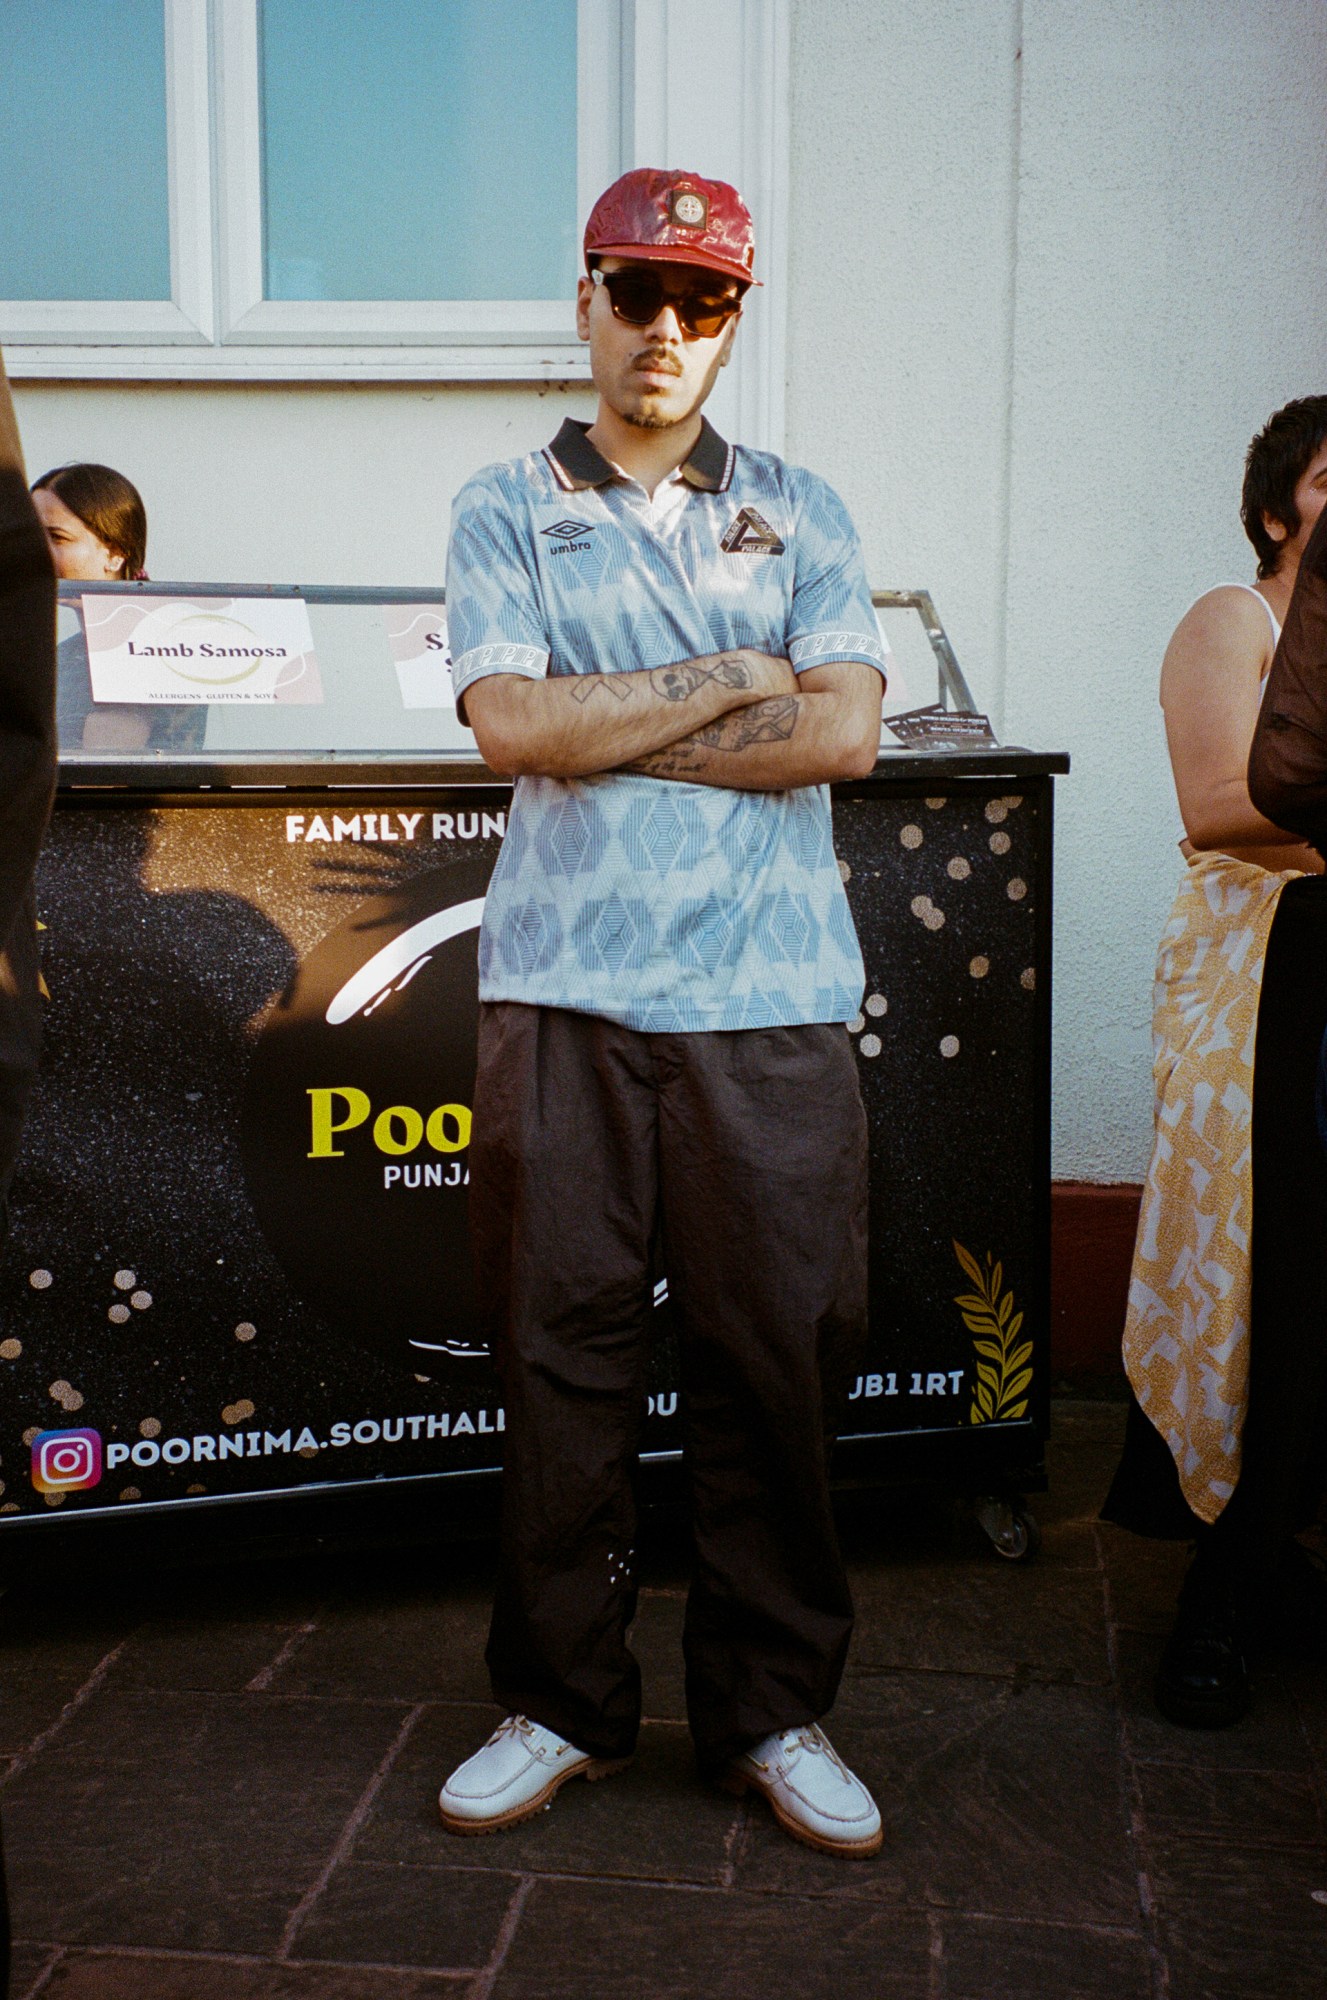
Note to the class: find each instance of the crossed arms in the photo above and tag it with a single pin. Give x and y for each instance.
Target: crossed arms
(740, 719)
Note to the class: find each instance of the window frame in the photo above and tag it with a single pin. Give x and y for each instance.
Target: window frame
(186, 318)
(700, 83)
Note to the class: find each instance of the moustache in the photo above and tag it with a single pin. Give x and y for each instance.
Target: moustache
(660, 361)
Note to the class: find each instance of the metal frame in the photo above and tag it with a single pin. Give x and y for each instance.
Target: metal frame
(362, 768)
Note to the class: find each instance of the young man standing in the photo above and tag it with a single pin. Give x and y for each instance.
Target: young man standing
(669, 643)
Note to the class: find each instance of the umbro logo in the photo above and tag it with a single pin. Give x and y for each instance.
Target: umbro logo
(567, 531)
(751, 535)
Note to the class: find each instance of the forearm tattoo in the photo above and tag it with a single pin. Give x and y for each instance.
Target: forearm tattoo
(676, 683)
(679, 683)
(588, 685)
(772, 721)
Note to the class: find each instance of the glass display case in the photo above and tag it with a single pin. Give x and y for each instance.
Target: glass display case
(238, 1264)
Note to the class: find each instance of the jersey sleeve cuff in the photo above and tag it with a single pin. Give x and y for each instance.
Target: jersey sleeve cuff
(528, 661)
(822, 649)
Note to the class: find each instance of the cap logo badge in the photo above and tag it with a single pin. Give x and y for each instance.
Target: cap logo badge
(690, 210)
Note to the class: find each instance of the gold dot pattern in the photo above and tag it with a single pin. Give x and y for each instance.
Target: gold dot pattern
(10, 1507)
(1000, 843)
(54, 1499)
(912, 836)
(246, 1330)
(66, 1395)
(40, 1281)
(1027, 979)
(117, 1314)
(308, 1451)
(934, 805)
(958, 869)
(979, 966)
(870, 1045)
(949, 1046)
(195, 1489)
(130, 1493)
(1016, 889)
(30, 1433)
(877, 1005)
(140, 1301)
(857, 1023)
(125, 1281)
(150, 1427)
(923, 907)
(10, 1350)
(996, 810)
(845, 873)
(235, 1413)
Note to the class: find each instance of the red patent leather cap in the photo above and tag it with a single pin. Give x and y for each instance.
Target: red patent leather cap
(676, 218)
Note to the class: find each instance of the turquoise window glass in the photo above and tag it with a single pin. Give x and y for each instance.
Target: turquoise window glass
(419, 149)
(85, 211)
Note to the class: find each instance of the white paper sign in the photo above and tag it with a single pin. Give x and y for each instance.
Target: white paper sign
(417, 635)
(200, 649)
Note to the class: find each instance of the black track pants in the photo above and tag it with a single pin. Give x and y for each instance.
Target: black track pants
(748, 1150)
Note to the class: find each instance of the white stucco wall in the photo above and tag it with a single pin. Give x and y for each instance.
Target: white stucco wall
(1052, 263)
(1078, 254)
(264, 483)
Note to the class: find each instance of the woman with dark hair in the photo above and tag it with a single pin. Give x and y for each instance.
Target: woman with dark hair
(96, 529)
(1223, 1341)
(95, 523)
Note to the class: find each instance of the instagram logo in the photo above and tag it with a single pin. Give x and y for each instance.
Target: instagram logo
(64, 1461)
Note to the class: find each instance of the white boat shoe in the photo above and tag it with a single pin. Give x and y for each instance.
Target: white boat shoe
(515, 1774)
(811, 1791)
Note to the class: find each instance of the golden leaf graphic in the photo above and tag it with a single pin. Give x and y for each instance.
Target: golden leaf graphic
(1004, 1370)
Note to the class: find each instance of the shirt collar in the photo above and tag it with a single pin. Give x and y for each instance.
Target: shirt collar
(577, 463)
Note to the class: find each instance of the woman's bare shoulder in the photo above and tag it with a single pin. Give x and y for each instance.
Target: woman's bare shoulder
(1229, 613)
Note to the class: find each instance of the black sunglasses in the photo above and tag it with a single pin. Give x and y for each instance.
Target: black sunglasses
(638, 297)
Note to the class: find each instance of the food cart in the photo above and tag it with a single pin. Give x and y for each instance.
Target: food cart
(237, 1266)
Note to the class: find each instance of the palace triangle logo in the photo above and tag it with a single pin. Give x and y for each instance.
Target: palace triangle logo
(751, 535)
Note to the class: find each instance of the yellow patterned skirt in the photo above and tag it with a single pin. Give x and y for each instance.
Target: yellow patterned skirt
(1186, 1333)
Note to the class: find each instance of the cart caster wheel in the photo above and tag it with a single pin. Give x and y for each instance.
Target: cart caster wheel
(1014, 1534)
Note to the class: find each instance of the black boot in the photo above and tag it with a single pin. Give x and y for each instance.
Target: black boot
(1203, 1679)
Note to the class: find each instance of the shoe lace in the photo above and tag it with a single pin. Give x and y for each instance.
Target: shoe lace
(514, 1725)
(812, 1737)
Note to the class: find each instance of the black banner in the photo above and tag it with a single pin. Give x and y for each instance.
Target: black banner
(238, 1256)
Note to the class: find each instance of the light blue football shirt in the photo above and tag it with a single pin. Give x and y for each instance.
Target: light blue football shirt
(665, 906)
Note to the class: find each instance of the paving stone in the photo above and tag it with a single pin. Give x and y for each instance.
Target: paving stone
(193, 1821)
(980, 1618)
(1255, 1808)
(100, 1976)
(1144, 1577)
(997, 1796)
(1084, 1450)
(656, 1820)
(30, 1701)
(206, 1651)
(988, 1958)
(1270, 1738)
(67, 1635)
(1241, 1924)
(616, 1942)
(415, 1646)
(27, 1964)
(440, 1918)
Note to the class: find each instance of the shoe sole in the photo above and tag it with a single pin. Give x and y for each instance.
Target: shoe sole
(600, 1767)
(738, 1785)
